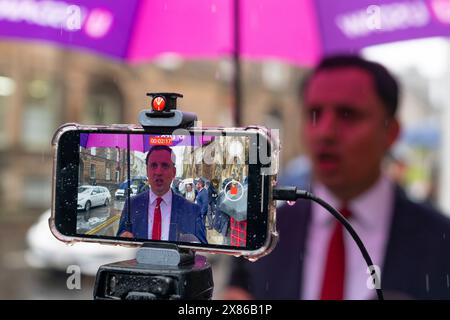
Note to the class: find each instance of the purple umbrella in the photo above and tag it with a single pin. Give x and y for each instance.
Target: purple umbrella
(297, 31)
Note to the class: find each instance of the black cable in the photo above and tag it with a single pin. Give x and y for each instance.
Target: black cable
(292, 194)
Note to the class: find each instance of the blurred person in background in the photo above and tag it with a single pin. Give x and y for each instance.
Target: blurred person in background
(238, 215)
(176, 186)
(202, 200)
(212, 195)
(350, 123)
(213, 187)
(190, 192)
(222, 219)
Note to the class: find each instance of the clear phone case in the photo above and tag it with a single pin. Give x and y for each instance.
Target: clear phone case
(272, 234)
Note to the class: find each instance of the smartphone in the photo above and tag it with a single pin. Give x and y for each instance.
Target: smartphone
(208, 189)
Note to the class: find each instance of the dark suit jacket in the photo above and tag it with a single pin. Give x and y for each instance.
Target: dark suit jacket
(185, 218)
(202, 200)
(416, 265)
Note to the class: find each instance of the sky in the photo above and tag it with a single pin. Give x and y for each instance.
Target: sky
(429, 56)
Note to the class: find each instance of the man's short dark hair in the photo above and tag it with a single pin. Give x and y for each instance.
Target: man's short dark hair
(157, 148)
(201, 181)
(386, 86)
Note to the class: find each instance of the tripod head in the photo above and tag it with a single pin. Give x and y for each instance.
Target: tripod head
(163, 113)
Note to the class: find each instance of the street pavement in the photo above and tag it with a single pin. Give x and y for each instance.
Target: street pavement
(19, 281)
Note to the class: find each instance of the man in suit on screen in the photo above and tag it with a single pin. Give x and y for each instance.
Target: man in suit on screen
(159, 213)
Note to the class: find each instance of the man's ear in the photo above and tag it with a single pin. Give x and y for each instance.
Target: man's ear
(174, 173)
(393, 131)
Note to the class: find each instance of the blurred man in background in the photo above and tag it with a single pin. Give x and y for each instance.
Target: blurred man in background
(350, 122)
(202, 200)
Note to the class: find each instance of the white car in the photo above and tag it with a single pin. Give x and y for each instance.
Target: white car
(120, 193)
(92, 196)
(45, 251)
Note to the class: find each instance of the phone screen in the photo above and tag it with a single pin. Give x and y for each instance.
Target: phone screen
(198, 188)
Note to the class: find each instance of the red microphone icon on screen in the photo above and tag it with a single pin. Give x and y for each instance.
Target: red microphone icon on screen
(234, 189)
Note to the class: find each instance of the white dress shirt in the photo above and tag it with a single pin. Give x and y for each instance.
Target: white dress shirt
(371, 219)
(166, 210)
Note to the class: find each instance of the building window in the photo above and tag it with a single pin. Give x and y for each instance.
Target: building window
(92, 171)
(93, 151)
(117, 176)
(40, 117)
(274, 118)
(37, 192)
(108, 153)
(275, 75)
(104, 103)
(108, 174)
(7, 88)
(81, 172)
(274, 121)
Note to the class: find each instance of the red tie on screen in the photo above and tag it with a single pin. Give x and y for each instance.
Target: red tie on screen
(334, 275)
(156, 231)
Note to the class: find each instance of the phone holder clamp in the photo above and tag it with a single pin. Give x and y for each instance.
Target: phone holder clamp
(163, 113)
